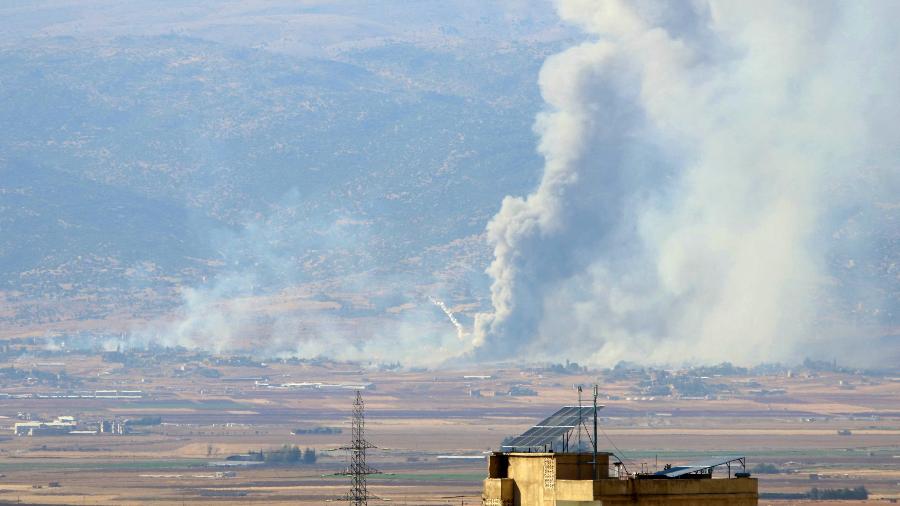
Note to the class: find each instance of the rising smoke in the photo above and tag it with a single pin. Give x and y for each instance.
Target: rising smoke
(291, 284)
(700, 159)
(696, 158)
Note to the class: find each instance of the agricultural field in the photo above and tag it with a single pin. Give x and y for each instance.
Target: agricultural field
(186, 414)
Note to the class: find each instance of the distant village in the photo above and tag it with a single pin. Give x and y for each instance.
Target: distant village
(69, 425)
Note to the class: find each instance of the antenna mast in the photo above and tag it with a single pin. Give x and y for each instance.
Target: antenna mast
(578, 449)
(596, 468)
(358, 470)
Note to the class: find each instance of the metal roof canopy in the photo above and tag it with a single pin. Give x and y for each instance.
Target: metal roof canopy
(700, 466)
(554, 426)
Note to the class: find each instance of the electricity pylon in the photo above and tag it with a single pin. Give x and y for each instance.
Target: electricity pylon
(358, 470)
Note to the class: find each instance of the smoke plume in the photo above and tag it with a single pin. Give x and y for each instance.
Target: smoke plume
(697, 160)
(305, 286)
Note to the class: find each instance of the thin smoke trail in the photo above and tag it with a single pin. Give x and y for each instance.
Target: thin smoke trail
(460, 330)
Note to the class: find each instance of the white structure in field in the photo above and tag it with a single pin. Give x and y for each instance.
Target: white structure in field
(61, 425)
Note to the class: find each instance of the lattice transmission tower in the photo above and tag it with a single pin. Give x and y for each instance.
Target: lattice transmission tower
(358, 469)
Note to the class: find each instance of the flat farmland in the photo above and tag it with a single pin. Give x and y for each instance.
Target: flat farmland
(824, 429)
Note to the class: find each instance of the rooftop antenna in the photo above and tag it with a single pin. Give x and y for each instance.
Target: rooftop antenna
(578, 449)
(358, 470)
(596, 468)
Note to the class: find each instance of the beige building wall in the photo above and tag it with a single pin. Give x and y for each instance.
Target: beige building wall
(548, 479)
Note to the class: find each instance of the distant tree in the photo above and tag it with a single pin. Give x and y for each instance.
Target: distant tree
(839, 493)
(287, 454)
(317, 430)
(209, 373)
(521, 391)
(309, 456)
(766, 469)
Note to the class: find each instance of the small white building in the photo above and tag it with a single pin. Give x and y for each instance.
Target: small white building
(61, 425)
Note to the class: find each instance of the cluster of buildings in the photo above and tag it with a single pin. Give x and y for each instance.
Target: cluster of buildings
(513, 391)
(59, 426)
(68, 425)
(316, 385)
(96, 394)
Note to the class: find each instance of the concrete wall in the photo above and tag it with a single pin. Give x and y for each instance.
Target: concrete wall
(699, 492)
(546, 479)
(498, 492)
(534, 475)
(578, 466)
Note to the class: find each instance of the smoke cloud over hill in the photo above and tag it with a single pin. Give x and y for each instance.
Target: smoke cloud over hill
(713, 180)
(705, 165)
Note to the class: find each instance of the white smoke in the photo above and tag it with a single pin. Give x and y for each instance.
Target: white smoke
(460, 330)
(693, 152)
(263, 301)
(220, 320)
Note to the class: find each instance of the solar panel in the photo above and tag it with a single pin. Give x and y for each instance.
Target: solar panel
(694, 467)
(554, 426)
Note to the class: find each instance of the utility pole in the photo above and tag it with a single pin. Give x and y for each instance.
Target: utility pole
(358, 470)
(596, 468)
(580, 423)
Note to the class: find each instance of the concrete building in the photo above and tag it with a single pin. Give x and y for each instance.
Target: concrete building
(61, 425)
(566, 479)
(530, 473)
